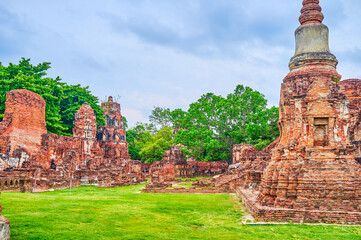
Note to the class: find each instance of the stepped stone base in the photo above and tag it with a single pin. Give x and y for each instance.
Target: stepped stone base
(4, 228)
(269, 214)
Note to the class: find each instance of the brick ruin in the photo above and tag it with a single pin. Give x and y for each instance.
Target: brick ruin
(312, 175)
(352, 89)
(28, 152)
(174, 166)
(246, 169)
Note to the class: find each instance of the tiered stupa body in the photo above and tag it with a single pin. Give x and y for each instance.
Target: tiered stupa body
(313, 168)
(85, 122)
(113, 135)
(114, 129)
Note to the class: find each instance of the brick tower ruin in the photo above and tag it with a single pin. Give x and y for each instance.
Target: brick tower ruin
(113, 133)
(24, 121)
(85, 122)
(313, 175)
(114, 128)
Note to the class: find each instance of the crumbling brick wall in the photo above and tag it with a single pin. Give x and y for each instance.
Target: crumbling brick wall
(24, 121)
(247, 169)
(207, 169)
(243, 153)
(352, 89)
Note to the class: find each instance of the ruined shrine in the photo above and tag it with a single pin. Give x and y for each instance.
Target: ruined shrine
(312, 175)
(246, 169)
(29, 153)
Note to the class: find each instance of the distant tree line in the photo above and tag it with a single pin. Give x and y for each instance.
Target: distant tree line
(210, 127)
(207, 131)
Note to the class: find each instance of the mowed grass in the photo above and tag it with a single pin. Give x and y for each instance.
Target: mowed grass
(124, 213)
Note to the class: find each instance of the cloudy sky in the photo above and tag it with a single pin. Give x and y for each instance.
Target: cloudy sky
(169, 52)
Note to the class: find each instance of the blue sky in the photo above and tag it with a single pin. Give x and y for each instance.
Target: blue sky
(169, 52)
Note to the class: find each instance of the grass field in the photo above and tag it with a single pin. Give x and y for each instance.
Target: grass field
(124, 213)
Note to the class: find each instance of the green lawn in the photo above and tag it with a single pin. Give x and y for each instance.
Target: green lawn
(124, 213)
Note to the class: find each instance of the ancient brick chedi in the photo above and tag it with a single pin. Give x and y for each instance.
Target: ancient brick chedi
(28, 152)
(24, 120)
(112, 136)
(85, 122)
(114, 129)
(313, 175)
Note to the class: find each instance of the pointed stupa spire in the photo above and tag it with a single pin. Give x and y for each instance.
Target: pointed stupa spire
(312, 38)
(311, 12)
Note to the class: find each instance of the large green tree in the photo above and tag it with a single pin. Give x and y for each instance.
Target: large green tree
(213, 124)
(62, 100)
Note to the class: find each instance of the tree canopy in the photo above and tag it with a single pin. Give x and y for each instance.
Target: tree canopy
(210, 127)
(62, 100)
(213, 124)
(146, 145)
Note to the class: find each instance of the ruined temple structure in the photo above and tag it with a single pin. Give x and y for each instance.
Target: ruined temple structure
(85, 122)
(246, 169)
(114, 129)
(313, 175)
(352, 89)
(28, 152)
(174, 165)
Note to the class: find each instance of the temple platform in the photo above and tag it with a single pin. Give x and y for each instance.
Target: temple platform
(269, 214)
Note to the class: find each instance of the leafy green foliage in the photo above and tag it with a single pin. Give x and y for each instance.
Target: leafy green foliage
(164, 117)
(214, 124)
(146, 145)
(161, 117)
(210, 127)
(154, 149)
(137, 138)
(62, 100)
(73, 97)
(136, 141)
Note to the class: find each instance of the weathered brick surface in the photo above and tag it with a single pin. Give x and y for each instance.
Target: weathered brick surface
(313, 166)
(243, 153)
(85, 122)
(266, 213)
(247, 168)
(173, 165)
(352, 89)
(24, 120)
(206, 169)
(313, 175)
(25, 145)
(114, 128)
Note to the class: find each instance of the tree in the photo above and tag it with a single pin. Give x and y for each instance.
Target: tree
(214, 124)
(137, 138)
(164, 117)
(62, 100)
(74, 96)
(161, 117)
(154, 150)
